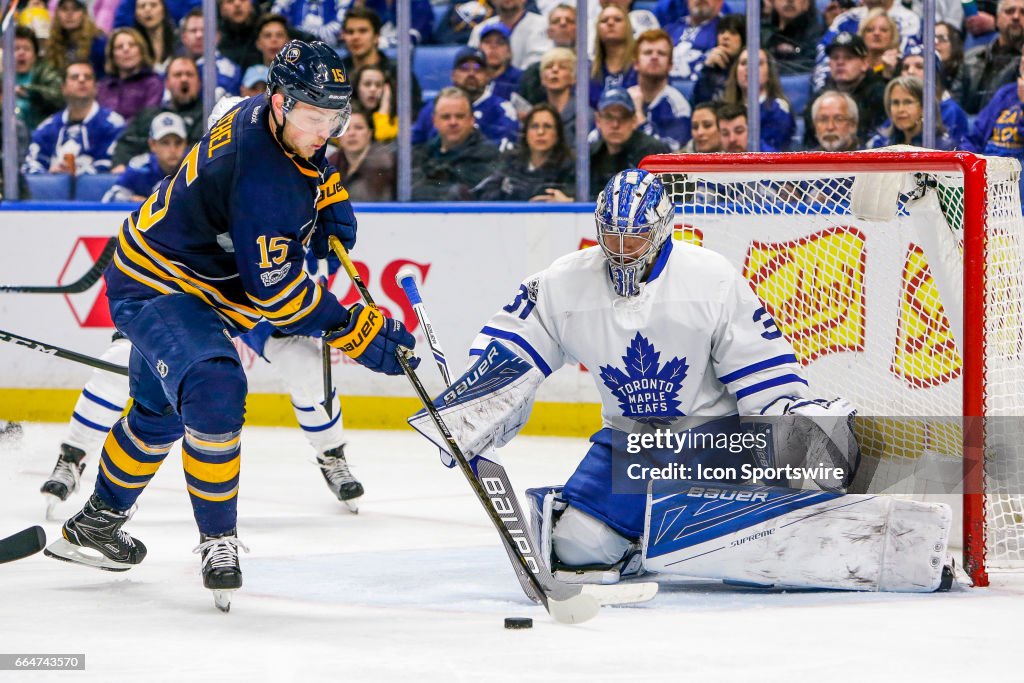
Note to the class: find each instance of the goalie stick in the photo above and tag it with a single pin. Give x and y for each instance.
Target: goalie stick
(22, 544)
(57, 351)
(569, 604)
(78, 286)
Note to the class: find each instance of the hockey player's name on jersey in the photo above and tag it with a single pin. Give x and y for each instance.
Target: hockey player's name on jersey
(220, 134)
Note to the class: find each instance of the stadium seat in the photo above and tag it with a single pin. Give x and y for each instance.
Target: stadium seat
(432, 65)
(735, 7)
(49, 187)
(798, 90)
(974, 41)
(91, 188)
(439, 12)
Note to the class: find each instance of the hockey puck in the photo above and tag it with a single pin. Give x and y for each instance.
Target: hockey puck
(518, 622)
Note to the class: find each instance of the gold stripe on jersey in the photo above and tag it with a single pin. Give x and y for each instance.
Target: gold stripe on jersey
(267, 303)
(133, 274)
(212, 497)
(119, 482)
(125, 462)
(210, 472)
(306, 310)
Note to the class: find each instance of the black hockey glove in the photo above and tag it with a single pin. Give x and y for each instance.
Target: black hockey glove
(371, 339)
(335, 216)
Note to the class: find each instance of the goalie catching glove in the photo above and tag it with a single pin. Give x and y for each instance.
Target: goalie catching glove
(334, 216)
(372, 339)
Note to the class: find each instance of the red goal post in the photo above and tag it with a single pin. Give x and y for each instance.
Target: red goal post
(915, 315)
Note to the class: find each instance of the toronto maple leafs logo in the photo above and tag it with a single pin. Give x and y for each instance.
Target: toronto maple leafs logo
(647, 391)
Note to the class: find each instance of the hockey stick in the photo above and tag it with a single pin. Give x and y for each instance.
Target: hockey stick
(570, 604)
(325, 353)
(22, 544)
(12, 5)
(80, 285)
(57, 351)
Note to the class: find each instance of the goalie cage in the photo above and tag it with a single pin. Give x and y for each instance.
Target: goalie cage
(915, 315)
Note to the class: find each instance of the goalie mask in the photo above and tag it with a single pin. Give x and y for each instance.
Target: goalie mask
(633, 217)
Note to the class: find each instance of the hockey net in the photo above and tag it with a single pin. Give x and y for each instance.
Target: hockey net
(916, 315)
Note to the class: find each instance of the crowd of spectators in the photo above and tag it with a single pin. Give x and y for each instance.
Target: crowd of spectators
(114, 86)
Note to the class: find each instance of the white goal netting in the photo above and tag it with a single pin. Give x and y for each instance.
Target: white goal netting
(876, 309)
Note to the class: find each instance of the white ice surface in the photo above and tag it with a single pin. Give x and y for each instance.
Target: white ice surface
(416, 586)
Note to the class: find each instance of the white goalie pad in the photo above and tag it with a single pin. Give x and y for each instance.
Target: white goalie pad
(797, 539)
(487, 405)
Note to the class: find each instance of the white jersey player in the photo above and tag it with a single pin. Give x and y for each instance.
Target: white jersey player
(675, 338)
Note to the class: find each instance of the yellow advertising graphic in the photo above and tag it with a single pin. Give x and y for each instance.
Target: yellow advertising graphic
(684, 232)
(925, 353)
(814, 289)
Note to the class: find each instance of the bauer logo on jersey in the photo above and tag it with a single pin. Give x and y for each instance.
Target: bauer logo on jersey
(647, 391)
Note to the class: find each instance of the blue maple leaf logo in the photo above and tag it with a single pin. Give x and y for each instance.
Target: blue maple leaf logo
(647, 392)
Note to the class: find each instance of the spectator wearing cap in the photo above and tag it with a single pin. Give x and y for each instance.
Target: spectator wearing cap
(360, 30)
(621, 144)
(693, 36)
(982, 64)
(238, 26)
(458, 158)
(167, 138)
(494, 43)
(75, 37)
(791, 33)
(835, 117)
(496, 118)
(229, 74)
(562, 33)
(612, 66)
(662, 111)
(319, 18)
(529, 31)
(80, 138)
(954, 118)
(849, 73)
(130, 84)
(37, 84)
(254, 81)
(908, 22)
(183, 97)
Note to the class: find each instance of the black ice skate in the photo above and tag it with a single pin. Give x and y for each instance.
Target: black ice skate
(65, 477)
(94, 538)
(221, 572)
(339, 479)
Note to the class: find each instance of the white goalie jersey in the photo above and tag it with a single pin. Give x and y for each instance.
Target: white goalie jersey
(695, 342)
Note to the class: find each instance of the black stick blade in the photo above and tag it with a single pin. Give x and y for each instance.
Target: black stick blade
(22, 544)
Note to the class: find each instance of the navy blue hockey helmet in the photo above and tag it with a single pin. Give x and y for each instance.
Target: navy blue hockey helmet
(311, 73)
(634, 218)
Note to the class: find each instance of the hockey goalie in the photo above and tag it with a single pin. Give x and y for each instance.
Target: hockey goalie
(715, 459)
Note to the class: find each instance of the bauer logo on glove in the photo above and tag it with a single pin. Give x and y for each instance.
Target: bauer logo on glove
(373, 339)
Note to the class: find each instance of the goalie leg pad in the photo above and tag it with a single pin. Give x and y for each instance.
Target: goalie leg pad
(799, 539)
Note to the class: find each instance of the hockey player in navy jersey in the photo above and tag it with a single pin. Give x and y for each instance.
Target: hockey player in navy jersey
(697, 385)
(216, 249)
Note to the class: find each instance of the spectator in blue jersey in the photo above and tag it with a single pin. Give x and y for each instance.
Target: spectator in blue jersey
(904, 103)
(621, 144)
(80, 138)
(999, 128)
(156, 27)
(731, 35)
(361, 32)
(733, 127)
(319, 18)
(495, 117)
(237, 35)
(130, 84)
(176, 9)
(541, 168)
(167, 139)
(229, 74)
(954, 118)
(494, 43)
(558, 80)
(183, 98)
(528, 31)
(421, 30)
(661, 110)
(562, 33)
(612, 66)
(460, 19)
(75, 37)
(908, 22)
(791, 33)
(640, 19)
(693, 36)
(254, 81)
(777, 123)
(448, 166)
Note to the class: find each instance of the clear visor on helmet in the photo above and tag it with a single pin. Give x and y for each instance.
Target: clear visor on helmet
(325, 123)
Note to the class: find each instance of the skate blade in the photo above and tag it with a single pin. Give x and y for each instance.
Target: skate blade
(69, 552)
(352, 504)
(222, 599)
(52, 502)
